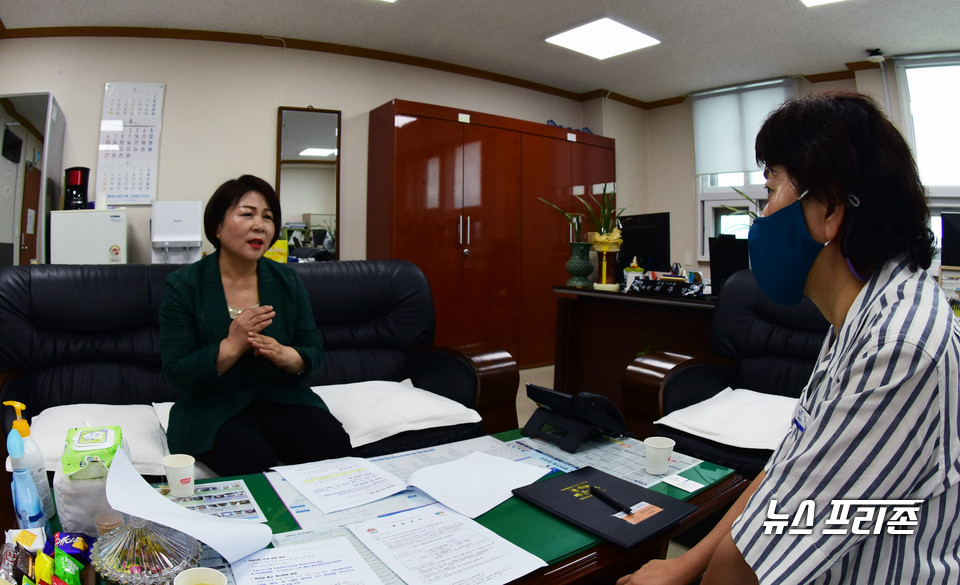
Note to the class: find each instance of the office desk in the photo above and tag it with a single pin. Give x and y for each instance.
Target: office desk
(599, 333)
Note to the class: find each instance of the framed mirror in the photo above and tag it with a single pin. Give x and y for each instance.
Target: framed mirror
(31, 166)
(308, 180)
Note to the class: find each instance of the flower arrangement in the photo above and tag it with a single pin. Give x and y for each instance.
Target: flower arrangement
(575, 220)
(602, 212)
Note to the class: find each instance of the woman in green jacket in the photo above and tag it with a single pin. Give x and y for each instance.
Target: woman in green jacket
(239, 343)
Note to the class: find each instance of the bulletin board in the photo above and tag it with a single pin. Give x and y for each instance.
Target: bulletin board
(950, 283)
(129, 142)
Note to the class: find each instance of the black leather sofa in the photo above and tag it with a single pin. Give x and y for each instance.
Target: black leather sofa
(89, 334)
(755, 344)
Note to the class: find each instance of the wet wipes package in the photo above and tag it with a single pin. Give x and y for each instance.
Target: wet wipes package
(89, 451)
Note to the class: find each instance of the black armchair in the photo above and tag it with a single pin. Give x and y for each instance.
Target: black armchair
(755, 344)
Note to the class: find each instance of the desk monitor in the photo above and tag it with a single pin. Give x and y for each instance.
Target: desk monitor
(646, 236)
(950, 239)
(728, 254)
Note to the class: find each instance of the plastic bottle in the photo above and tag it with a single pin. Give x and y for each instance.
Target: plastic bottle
(26, 498)
(33, 459)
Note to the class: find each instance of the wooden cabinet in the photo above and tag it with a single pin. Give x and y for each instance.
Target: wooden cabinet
(457, 193)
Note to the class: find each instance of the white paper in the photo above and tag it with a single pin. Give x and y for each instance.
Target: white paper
(436, 546)
(620, 457)
(404, 464)
(309, 518)
(221, 499)
(328, 562)
(129, 493)
(476, 483)
(338, 484)
(382, 571)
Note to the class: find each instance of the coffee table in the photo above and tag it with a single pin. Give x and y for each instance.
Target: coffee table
(596, 561)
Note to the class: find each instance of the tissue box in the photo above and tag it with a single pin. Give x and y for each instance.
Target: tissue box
(80, 483)
(89, 451)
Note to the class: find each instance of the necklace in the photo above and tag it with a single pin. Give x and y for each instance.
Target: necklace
(235, 311)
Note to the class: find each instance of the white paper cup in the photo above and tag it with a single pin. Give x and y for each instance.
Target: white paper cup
(658, 450)
(200, 576)
(179, 471)
(100, 201)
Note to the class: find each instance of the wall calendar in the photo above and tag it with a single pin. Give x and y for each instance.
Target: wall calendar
(129, 142)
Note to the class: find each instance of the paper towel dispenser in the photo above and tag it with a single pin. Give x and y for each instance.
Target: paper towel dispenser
(176, 232)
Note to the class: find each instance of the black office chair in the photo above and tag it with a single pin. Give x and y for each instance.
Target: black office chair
(756, 344)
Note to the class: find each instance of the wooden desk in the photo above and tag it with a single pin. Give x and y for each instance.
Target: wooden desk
(599, 333)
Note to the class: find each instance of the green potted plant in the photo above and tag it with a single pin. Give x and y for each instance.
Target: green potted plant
(578, 266)
(605, 216)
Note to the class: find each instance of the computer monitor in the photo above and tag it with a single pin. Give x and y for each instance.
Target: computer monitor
(950, 239)
(728, 254)
(647, 237)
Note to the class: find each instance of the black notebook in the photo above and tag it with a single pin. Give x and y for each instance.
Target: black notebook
(573, 497)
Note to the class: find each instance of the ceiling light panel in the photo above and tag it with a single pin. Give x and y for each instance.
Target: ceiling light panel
(810, 3)
(603, 39)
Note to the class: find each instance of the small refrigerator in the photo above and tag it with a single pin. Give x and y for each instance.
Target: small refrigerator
(88, 236)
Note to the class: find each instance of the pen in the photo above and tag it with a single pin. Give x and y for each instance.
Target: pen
(610, 500)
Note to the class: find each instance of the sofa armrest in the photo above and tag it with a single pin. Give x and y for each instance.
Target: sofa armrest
(485, 380)
(649, 391)
(694, 383)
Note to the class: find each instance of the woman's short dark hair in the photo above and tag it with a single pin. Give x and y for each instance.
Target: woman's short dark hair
(843, 149)
(228, 195)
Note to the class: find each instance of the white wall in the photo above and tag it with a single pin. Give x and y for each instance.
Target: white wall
(220, 117)
(220, 109)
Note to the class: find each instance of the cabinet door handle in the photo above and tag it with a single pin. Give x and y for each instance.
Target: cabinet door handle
(468, 230)
(460, 230)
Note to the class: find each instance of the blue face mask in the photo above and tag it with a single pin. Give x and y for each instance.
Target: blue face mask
(782, 253)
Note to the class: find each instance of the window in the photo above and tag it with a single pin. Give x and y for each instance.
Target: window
(725, 125)
(928, 88)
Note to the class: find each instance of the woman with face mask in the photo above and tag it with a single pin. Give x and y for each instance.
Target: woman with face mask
(238, 341)
(878, 424)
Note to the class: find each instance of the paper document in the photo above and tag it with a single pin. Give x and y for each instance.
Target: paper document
(404, 464)
(309, 518)
(436, 546)
(221, 499)
(129, 493)
(386, 576)
(476, 483)
(338, 484)
(328, 562)
(620, 457)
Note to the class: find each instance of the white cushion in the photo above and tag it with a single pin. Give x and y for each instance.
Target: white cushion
(146, 441)
(741, 418)
(370, 411)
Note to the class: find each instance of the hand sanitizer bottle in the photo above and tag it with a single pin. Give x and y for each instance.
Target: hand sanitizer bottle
(26, 498)
(33, 459)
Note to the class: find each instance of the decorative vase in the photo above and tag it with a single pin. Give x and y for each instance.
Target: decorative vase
(606, 246)
(579, 266)
(607, 271)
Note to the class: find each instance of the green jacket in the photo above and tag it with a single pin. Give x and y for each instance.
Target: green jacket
(194, 319)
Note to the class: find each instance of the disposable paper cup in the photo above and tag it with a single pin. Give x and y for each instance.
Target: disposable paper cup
(200, 576)
(100, 201)
(658, 450)
(179, 470)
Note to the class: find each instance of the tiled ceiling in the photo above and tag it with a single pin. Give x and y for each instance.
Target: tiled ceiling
(705, 43)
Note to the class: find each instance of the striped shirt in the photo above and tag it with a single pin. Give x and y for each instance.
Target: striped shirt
(882, 425)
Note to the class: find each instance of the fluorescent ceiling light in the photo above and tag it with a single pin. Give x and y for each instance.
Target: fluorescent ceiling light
(602, 39)
(810, 3)
(318, 151)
